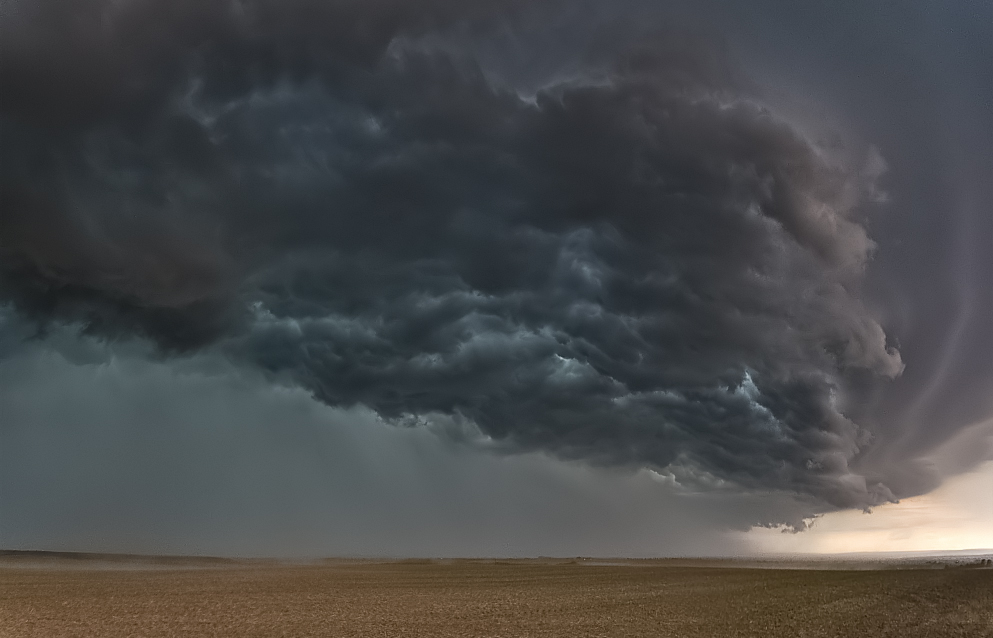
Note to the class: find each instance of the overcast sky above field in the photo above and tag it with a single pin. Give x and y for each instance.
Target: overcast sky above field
(495, 277)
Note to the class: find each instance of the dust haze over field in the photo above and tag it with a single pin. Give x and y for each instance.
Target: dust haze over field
(486, 277)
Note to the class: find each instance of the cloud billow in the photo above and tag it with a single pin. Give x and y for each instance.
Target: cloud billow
(642, 265)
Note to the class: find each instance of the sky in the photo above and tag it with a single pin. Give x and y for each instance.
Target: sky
(496, 278)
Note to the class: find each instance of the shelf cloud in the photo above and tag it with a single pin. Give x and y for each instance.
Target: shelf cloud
(632, 254)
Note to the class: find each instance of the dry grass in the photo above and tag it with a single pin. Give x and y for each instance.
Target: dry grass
(490, 598)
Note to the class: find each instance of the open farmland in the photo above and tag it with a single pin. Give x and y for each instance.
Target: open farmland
(485, 598)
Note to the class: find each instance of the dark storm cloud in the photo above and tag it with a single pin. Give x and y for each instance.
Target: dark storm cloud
(641, 263)
(110, 193)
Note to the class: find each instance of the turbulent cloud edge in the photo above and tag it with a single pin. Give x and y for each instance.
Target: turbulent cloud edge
(645, 266)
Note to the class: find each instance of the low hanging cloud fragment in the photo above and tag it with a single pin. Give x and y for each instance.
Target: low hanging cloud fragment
(641, 266)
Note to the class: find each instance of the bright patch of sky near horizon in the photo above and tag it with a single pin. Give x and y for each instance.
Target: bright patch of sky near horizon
(956, 516)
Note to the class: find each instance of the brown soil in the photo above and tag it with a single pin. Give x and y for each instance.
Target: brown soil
(488, 598)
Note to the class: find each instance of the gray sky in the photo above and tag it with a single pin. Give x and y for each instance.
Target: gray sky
(490, 277)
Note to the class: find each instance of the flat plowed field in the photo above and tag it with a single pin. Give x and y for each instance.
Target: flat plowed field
(490, 598)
